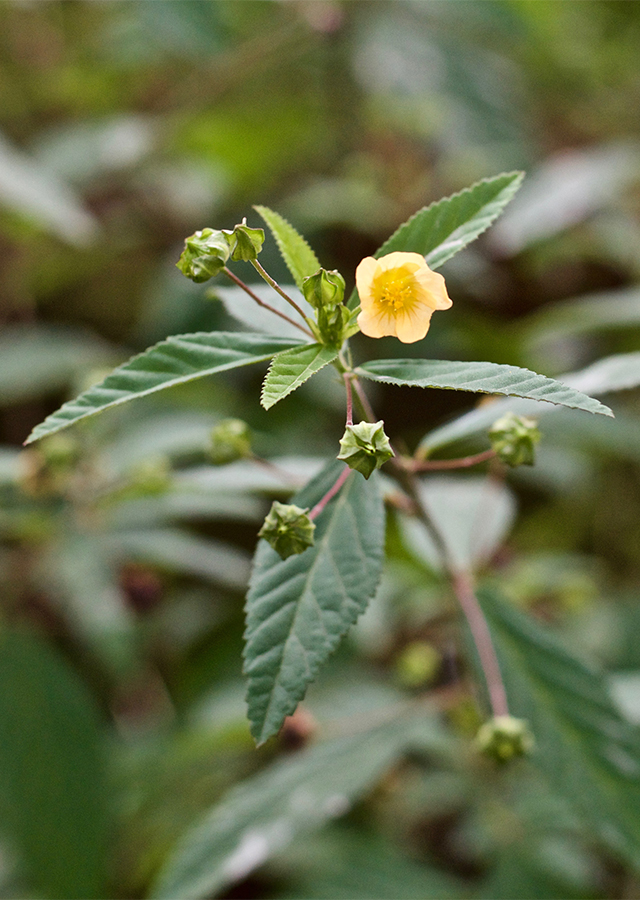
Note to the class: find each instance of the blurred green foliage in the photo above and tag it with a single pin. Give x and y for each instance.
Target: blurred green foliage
(124, 555)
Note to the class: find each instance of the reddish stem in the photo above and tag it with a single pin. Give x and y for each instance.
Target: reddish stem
(419, 465)
(254, 296)
(484, 645)
(320, 505)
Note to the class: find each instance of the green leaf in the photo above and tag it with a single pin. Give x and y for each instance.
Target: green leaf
(445, 227)
(289, 799)
(291, 368)
(53, 801)
(175, 361)
(298, 255)
(298, 609)
(614, 373)
(587, 751)
(479, 377)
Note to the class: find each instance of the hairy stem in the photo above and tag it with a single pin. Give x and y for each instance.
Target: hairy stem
(254, 296)
(274, 284)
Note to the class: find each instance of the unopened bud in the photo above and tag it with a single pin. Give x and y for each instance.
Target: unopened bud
(365, 447)
(324, 288)
(230, 440)
(505, 737)
(288, 529)
(514, 438)
(205, 254)
(244, 243)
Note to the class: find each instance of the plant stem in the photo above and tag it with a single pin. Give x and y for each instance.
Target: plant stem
(482, 639)
(364, 400)
(254, 296)
(425, 465)
(274, 284)
(347, 385)
(320, 505)
(463, 588)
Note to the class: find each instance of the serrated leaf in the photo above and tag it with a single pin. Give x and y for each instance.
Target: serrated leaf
(289, 799)
(291, 368)
(53, 797)
(296, 252)
(175, 361)
(298, 609)
(479, 377)
(585, 748)
(441, 230)
(614, 373)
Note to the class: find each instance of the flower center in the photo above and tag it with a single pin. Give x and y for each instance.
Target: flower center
(394, 291)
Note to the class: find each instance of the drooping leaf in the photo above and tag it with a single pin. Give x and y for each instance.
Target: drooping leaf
(588, 752)
(296, 252)
(292, 797)
(175, 361)
(445, 227)
(613, 373)
(298, 609)
(291, 368)
(53, 800)
(479, 377)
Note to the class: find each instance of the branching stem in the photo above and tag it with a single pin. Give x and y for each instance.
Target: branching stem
(254, 296)
(274, 284)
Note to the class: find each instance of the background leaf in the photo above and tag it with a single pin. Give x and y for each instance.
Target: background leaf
(291, 368)
(174, 361)
(52, 781)
(299, 608)
(588, 752)
(293, 796)
(296, 252)
(240, 305)
(480, 377)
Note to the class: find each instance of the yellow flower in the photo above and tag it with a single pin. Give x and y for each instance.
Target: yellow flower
(398, 295)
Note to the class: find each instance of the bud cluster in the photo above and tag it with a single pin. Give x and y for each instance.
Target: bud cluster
(324, 290)
(206, 252)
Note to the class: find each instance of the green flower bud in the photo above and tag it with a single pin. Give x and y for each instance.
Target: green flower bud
(244, 243)
(365, 447)
(331, 327)
(504, 738)
(230, 440)
(205, 254)
(324, 289)
(288, 529)
(418, 664)
(514, 438)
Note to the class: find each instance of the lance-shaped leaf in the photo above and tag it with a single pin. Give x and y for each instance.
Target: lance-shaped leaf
(298, 255)
(613, 373)
(291, 368)
(440, 230)
(299, 608)
(479, 377)
(588, 752)
(175, 361)
(288, 800)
